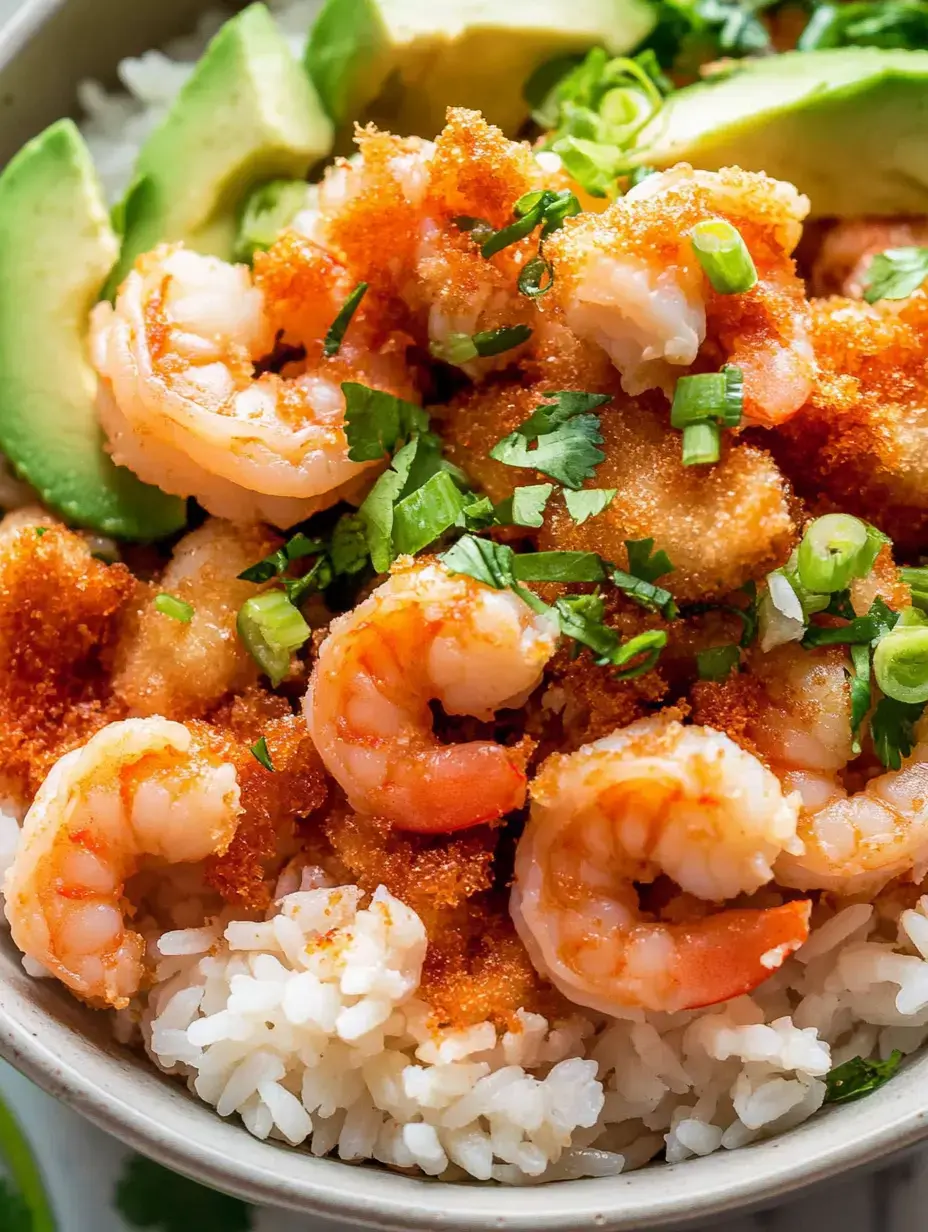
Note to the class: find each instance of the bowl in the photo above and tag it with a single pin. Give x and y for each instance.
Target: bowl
(69, 1050)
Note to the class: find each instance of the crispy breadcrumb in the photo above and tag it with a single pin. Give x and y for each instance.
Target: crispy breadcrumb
(274, 802)
(59, 610)
(861, 443)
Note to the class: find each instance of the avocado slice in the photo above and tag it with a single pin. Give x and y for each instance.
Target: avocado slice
(846, 126)
(56, 248)
(248, 114)
(401, 63)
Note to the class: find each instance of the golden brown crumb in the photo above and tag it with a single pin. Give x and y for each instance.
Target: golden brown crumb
(273, 802)
(858, 445)
(59, 609)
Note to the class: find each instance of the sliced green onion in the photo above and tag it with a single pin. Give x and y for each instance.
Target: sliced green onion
(724, 256)
(858, 1077)
(478, 228)
(649, 644)
(333, 339)
(457, 349)
(717, 662)
(565, 205)
(702, 443)
(261, 753)
(271, 628)
(830, 552)
(524, 225)
(536, 277)
(495, 341)
(717, 396)
(177, 609)
(916, 578)
(425, 514)
(900, 664)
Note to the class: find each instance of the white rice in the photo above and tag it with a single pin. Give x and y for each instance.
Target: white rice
(309, 1027)
(116, 123)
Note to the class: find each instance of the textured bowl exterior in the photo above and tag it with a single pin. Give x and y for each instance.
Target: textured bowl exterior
(69, 1051)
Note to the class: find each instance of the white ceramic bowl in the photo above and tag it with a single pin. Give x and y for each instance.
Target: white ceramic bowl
(68, 1049)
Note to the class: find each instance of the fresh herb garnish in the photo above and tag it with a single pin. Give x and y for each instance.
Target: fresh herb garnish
(377, 422)
(899, 24)
(893, 730)
(149, 1196)
(644, 562)
(896, 274)
(176, 609)
(348, 548)
(859, 1077)
(646, 594)
(691, 32)
(24, 1202)
(702, 406)
(559, 439)
(543, 208)
(588, 502)
(296, 547)
(336, 332)
(536, 277)
(861, 693)
(271, 628)
(526, 506)
(261, 753)
(717, 662)
(491, 342)
(581, 618)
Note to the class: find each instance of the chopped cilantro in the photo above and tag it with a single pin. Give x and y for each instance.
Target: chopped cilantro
(260, 752)
(376, 422)
(717, 662)
(559, 439)
(336, 333)
(482, 559)
(149, 1196)
(348, 547)
(655, 598)
(274, 565)
(896, 273)
(588, 502)
(426, 513)
(40, 530)
(893, 730)
(558, 567)
(899, 24)
(859, 1077)
(644, 562)
(526, 506)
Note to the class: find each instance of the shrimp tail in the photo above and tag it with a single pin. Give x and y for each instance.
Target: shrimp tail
(731, 953)
(459, 787)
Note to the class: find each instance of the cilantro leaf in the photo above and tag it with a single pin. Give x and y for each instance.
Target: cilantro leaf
(588, 502)
(274, 565)
(859, 1077)
(581, 618)
(716, 663)
(376, 511)
(893, 730)
(645, 563)
(348, 548)
(261, 753)
(896, 273)
(883, 23)
(336, 332)
(526, 506)
(376, 422)
(426, 513)
(558, 567)
(565, 439)
(482, 559)
(859, 680)
(149, 1196)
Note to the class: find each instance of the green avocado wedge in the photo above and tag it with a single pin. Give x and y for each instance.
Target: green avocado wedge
(248, 114)
(846, 126)
(56, 248)
(401, 63)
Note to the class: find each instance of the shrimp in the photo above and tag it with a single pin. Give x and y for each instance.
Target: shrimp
(860, 445)
(393, 215)
(654, 797)
(847, 249)
(138, 788)
(426, 635)
(166, 667)
(855, 841)
(189, 397)
(629, 280)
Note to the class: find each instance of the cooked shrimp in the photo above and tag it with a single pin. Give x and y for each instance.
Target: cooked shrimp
(187, 400)
(164, 666)
(629, 280)
(141, 787)
(843, 259)
(860, 445)
(426, 636)
(656, 797)
(855, 842)
(390, 215)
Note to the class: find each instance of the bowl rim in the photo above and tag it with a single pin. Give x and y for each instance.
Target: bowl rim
(151, 1112)
(123, 1094)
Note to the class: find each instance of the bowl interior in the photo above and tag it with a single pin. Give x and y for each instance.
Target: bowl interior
(69, 1050)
